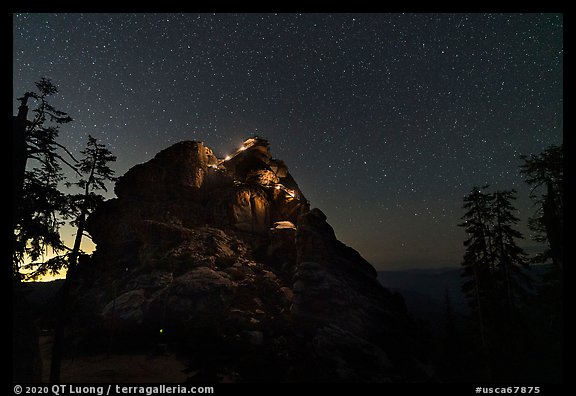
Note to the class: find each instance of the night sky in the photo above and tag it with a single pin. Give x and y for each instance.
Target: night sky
(385, 120)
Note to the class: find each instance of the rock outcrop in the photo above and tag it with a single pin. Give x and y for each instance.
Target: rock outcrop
(223, 261)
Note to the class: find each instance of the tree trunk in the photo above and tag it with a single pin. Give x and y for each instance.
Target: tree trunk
(25, 348)
(19, 159)
(57, 348)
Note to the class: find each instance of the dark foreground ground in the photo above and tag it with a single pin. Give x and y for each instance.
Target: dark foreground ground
(114, 368)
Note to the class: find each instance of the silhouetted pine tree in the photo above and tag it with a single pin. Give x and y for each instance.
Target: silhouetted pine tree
(36, 199)
(511, 280)
(495, 282)
(509, 338)
(545, 173)
(96, 172)
(36, 204)
(478, 258)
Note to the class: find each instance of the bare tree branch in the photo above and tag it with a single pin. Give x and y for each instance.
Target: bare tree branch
(69, 164)
(67, 151)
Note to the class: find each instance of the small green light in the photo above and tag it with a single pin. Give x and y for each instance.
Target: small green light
(161, 331)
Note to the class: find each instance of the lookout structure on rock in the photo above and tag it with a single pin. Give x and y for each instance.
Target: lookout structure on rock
(253, 164)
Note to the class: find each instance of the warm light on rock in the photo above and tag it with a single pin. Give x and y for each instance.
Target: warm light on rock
(228, 258)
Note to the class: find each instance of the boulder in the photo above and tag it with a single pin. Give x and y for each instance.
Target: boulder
(225, 257)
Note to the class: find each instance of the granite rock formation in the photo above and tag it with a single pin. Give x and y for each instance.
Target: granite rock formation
(223, 261)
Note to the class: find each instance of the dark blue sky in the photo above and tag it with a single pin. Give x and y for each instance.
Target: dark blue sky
(385, 120)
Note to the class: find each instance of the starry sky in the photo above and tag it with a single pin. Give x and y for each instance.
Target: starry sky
(385, 120)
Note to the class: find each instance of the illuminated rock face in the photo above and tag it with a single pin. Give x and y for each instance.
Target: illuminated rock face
(186, 185)
(226, 258)
(251, 211)
(177, 172)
